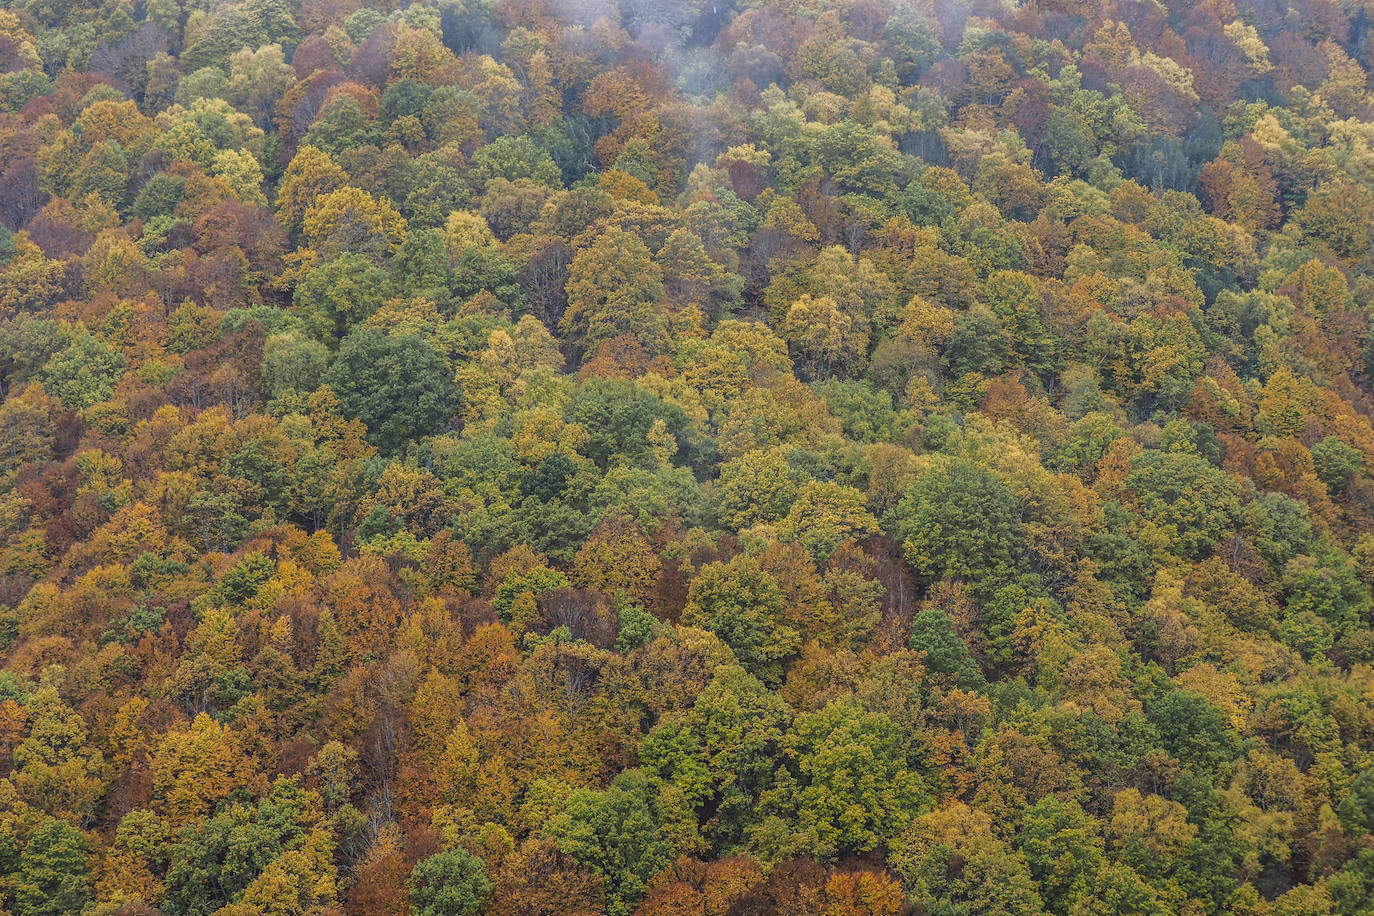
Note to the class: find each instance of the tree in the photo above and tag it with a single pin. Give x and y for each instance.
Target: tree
(452, 883)
(864, 893)
(1336, 463)
(616, 558)
(1286, 403)
(257, 79)
(300, 880)
(54, 877)
(1334, 216)
(311, 175)
(692, 278)
(337, 294)
(1356, 809)
(1188, 502)
(825, 515)
(856, 789)
(221, 36)
(1063, 847)
(218, 861)
(825, 339)
(352, 220)
(980, 344)
(396, 385)
(913, 43)
(30, 280)
(513, 158)
(340, 126)
(742, 604)
(723, 753)
(85, 372)
(950, 857)
(291, 362)
(959, 521)
(57, 771)
(619, 417)
(932, 633)
(615, 288)
(26, 427)
(421, 266)
(754, 487)
(193, 770)
(1193, 730)
(1151, 833)
(1013, 297)
(616, 833)
(539, 880)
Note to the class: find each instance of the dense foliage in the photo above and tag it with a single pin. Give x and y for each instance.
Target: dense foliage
(808, 457)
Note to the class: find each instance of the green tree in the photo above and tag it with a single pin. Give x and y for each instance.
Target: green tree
(1191, 504)
(476, 269)
(1193, 730)
(219, 859)
(1356, 809)
(513, 158)
(959, 521)
(452, 883)
(1331, 590)
(1014, 298)
(292, 362)
(616, 833)
(1336, 463)
(1063, 847)
(397, 385)
(950, 861)
(233, 28)
(825, 515)
(742, 604)
(913, 43)
(755, 487)
(85, 372)
(723, 752)
(334, 296)
(856, 789)
(257, 79)
(421, 265)
(54, 877)
(159, 196)
(340, 126)
(618, 415)
(932, 633)
(980, 343)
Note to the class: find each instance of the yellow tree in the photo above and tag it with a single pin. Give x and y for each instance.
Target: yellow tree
(615, 288)
(196, 768)
(311, 175)
(350, 220)
(617, 558)
(823, 338)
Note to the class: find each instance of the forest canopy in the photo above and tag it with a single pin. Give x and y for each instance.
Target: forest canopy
(609, 457)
